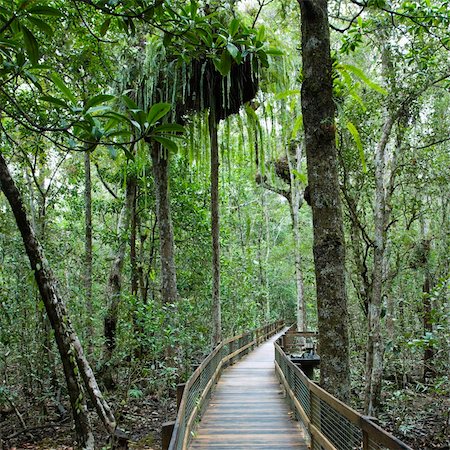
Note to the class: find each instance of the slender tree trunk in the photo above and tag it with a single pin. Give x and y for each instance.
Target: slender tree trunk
(375, 347)
(215, 225)
(427, 303)
(114, 287)
(133, 247)
(88, 247)
(294, 158)
(70, 349)
(329, 246)
(160, 160)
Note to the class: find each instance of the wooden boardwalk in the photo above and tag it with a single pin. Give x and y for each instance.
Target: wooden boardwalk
(248, 409)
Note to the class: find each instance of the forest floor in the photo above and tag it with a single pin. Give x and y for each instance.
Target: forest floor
(140, 418)
(420, 420)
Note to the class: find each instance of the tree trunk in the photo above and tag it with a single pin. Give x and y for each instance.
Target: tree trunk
(427, 304)
(329, 247)
(215, 225)
(70, 349)
(160, 160)
(294, 158)
(375, 346)
(114, 287)
(88, 247)
(133, 247)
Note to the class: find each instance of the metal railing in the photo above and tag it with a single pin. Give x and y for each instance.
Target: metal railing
(332, 425)
(197, 389)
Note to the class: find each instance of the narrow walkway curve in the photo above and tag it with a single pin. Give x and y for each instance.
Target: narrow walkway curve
(248, 409)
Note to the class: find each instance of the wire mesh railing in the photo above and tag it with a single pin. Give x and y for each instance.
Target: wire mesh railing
(332, 425)
(198, 388)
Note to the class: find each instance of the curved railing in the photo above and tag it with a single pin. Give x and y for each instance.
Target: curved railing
(332, 425)
(197, 389)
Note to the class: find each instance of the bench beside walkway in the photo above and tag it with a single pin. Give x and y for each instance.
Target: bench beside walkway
(248, 409)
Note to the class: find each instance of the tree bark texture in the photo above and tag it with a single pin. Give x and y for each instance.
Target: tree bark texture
(215, 224)
(69, 346)
(88, 246)
(160, 160)
(114, 287)
(329, 247)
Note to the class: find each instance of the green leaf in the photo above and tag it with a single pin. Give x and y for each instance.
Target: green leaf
(261, 35)
(131, 104)
(232, 50)
(273, 51)
(136, 124)
(169, 128)
(119, 133)
(223, 65)
(355, 134)
(286, 94)
(166, 143)
(54, 100)
(300, 176)
(31, 45)
(157, 111)
(118, 116)
(234, 27)
(127, 152)
(357, 98)
(45, 11)
(297, 125)
(363, 77)
(105, 26)
(41, 25)
(97, 100)
(59, 83)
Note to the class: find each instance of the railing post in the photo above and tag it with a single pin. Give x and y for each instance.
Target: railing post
(180, 391)
(365, 440)
(166, 435)
(231, 344)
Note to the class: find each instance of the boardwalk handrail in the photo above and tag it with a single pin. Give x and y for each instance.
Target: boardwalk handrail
(198, 388)
(332, 425)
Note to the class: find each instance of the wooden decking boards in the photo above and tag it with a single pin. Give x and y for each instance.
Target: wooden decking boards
(248, 409)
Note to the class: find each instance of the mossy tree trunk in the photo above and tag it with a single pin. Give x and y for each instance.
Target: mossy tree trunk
(329, 247)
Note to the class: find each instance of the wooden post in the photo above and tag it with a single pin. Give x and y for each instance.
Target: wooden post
(231, 351)
(365, 440)
(180, 390)
(166, 434)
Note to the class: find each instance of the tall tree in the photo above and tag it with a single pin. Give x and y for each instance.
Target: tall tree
(213, 122)
(329, 246)
(114, 285)
(160, 163)
(88, 246)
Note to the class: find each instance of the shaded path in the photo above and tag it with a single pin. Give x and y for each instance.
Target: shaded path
(248, 409)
